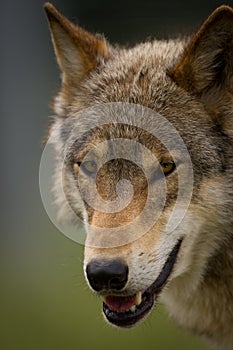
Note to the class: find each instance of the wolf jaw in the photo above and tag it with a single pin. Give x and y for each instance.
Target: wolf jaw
(126, 311)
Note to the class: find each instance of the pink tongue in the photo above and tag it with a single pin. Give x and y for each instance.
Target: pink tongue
(120, 303)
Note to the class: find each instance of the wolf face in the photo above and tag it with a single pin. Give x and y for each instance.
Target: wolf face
(158, 107)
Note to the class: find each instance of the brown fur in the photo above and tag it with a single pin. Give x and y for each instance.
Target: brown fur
(190, 82)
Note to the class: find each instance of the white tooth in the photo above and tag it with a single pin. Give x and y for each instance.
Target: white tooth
(76, 167)
(138, 298)
(133, 308)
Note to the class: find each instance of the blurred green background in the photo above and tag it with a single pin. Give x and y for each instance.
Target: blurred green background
(45, 303)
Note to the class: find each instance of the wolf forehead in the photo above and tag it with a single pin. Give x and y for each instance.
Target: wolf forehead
(118, 139)
(135, 75)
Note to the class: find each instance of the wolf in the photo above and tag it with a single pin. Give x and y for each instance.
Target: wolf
(188, 84)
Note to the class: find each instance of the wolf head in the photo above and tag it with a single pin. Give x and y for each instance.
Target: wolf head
(159, 106)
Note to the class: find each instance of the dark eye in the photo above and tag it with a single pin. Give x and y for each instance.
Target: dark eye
(89, 167)
(167, 167)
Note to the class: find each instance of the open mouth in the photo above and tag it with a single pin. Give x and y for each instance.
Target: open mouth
(127, 311)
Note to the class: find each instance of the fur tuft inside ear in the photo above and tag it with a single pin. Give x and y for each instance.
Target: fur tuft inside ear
(208, 59)
(78, 52)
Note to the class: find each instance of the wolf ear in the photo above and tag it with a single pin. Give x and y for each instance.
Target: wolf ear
(78, 52)
(207, 62)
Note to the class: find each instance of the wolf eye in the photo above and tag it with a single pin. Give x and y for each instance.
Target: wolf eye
(167, 167)
(89, 167)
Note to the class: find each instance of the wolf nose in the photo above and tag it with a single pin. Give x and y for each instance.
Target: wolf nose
(107, 274)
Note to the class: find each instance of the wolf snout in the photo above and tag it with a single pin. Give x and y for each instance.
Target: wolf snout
(107, 275)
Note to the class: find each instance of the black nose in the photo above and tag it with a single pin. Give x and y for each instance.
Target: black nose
(107, 274)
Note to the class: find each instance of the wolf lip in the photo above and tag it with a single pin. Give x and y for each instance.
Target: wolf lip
(115, 307)
(129, 318)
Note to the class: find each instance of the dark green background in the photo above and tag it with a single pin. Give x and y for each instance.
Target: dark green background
(45, 303)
